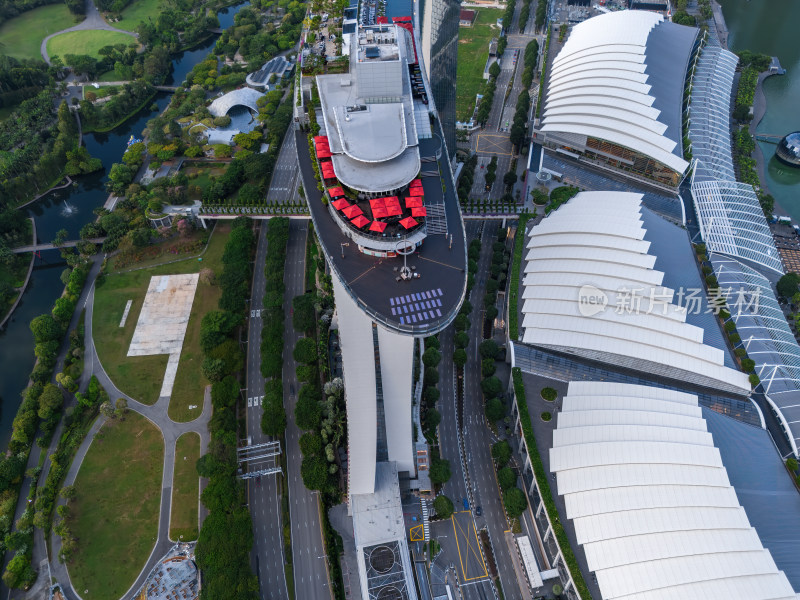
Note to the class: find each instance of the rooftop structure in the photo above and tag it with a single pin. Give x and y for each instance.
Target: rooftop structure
(732, 222)
(767, 337)
(591, 290)
(380, 538)
(278, 66)
(369, 113)
(614, 95)
(651, 501)
(729, 214)
(244, 96)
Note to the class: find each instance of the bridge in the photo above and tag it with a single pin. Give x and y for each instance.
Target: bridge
(160, 88)
(40, 247)
(771, 138)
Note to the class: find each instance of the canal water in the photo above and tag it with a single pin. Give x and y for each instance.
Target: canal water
(771, 27)
(70, 209)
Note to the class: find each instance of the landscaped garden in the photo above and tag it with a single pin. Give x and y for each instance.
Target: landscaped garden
(185, 489)
(86, 42)
(115, 513)
(22, 36)
(141, 376)
(473, 51)
(137, 12)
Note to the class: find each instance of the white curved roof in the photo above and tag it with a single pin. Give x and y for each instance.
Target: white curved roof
(242, 97)
(597, 240)
(657, 519)
(604, 83)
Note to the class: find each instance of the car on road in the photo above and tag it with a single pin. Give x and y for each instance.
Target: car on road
(291, 390)
(478, 511)
(466, 504)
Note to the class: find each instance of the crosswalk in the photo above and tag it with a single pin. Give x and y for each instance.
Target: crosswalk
(254, 401)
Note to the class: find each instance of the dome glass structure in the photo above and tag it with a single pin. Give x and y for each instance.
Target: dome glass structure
(788, 151)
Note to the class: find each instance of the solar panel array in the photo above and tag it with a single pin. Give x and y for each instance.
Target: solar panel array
(418, 307)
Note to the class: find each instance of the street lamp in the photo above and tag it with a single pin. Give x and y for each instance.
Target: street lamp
(343, 244)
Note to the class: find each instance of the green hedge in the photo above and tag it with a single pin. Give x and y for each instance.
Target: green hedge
(542, 81)
(513, 285)
(544, 487)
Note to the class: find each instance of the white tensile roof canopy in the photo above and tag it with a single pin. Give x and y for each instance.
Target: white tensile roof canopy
(605, 84)
(651, 501)
(594, 245)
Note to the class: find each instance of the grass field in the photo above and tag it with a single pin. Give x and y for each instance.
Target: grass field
(185, 489)
(85, 42)
(141, 376)
(115, 514)
(22, 36)
(137, 12)
(473, 50)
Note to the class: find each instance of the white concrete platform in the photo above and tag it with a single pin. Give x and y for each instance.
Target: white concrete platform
(162, 321)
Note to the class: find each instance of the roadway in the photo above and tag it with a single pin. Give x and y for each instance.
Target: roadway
(285, 177)
(264, 497)
(493, 139)
(308, 550)
(478, 483)
(476, 432)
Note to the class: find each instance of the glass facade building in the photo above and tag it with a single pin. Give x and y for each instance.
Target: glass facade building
(439, 36)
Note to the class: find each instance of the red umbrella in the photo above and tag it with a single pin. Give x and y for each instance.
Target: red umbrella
(377, 202)
(352, 211)
(323, 153)
(377, 226)
(419, 211)
(335, 192)
(408, 222)
(416, 182)
(360, 221)
(379, 212)
(413, 201)
(320, 138)
(392, 210)
(340, 204)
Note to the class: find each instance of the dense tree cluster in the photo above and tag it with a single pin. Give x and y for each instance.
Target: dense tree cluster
(257, 42)
(467, 177)
(223, 548)
(530, 59)
(21, 79)
(272, 314)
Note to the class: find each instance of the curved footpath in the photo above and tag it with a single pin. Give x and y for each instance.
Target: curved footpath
(93, 20)
(170, 430)
(157, 414)
(27, 278)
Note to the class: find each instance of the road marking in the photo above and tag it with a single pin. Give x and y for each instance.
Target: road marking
(249, 402)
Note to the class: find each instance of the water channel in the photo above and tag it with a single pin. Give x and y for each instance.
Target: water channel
(771, 27)
(70, 209)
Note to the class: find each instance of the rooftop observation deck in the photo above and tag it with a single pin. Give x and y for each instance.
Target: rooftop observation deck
(423, 305)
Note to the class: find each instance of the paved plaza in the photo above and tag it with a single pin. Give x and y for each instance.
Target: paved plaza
(163, 320)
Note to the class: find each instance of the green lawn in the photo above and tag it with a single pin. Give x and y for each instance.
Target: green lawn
(115, 514)
(141, 376)
(22, 36)
(137, 12)
(185, 489)
(86, 42)
(473, 50)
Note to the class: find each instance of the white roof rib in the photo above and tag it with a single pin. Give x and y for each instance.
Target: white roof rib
(624, 476)
(596, 242)
(605, 56)
(651, 501)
